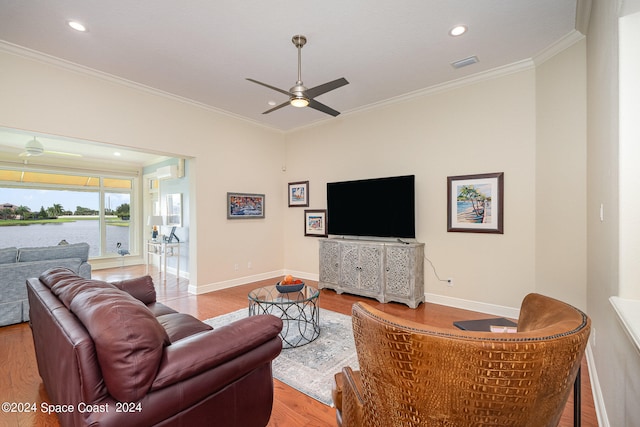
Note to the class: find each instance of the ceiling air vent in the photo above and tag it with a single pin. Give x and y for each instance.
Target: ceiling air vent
(464, 62)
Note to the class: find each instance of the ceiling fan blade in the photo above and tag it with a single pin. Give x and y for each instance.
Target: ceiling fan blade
(271, 87)
(277, 107)
(321, 107)
(324, 88)
(62, 153)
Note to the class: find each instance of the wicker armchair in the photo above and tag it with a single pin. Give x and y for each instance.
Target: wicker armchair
(415, 375)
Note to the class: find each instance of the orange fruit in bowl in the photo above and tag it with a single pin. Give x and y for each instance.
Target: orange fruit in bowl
(288, 279)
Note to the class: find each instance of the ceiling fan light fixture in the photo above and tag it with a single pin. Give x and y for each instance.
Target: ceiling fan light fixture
(299, 101)
(34, 148)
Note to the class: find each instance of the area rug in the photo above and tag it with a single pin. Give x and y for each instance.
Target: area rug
(311, 367)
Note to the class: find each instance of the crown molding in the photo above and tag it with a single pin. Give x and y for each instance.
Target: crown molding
(493, 73)
(497, 72)
(34, 55)
(564, 43)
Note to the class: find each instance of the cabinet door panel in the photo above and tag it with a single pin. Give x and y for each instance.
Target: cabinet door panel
(371, 266)
(329, 262)
(399, 269)
(349, 266)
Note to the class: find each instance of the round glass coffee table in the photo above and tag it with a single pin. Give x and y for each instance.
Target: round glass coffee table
(298, 310)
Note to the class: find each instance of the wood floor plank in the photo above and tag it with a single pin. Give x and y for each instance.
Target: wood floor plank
(19, 379)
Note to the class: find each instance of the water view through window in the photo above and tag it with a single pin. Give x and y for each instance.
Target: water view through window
(42, 217)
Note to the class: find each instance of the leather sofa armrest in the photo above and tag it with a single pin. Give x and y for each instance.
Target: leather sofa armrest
(352, 406)
(193, 355)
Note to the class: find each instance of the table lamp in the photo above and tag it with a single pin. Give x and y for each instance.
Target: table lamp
(154, 221)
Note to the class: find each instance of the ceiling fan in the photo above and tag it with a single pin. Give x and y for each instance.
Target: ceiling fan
(299, 95)
(35, 148)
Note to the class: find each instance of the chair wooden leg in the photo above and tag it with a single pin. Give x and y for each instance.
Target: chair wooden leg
(576, 401)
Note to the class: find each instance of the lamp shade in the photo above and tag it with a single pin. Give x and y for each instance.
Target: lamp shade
(155, 220)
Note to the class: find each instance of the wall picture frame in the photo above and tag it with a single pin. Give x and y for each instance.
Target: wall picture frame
(298, 193)
(475, 203)
(315, 222)
(245, 205)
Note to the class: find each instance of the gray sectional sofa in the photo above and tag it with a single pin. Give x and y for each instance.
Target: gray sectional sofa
(18, 265)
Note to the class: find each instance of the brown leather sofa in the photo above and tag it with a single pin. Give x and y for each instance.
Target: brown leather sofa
(110, 355)
(416, 375)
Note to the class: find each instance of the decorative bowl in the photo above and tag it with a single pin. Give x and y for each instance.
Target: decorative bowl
(284, 289)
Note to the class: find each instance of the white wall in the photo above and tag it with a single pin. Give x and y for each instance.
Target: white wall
(227, 154)
(561, 185)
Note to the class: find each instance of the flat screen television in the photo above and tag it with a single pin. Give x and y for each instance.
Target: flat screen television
(378, 207)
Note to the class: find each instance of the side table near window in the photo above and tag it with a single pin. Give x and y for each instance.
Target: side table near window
(162, 250)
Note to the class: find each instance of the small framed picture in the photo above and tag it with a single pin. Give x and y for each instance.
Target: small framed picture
(299, 193)
(245, 205)
(315, 222)
(475, 203)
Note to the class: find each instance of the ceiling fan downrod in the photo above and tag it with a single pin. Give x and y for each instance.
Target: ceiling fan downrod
(299, 99)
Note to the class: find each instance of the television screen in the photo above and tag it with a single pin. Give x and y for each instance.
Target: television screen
(379, 207)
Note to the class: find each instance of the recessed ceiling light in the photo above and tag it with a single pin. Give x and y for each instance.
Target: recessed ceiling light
(272, 103)
(77, 26)
(458, 30)
(117, 154)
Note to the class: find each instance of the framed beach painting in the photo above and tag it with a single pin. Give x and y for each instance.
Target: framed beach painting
(315, 222)
(298, 193)
(245, 205)
(475, 203)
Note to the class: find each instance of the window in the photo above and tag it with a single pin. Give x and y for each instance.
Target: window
(44, 208)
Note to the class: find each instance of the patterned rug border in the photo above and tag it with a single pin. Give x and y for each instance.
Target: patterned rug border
(311, 367)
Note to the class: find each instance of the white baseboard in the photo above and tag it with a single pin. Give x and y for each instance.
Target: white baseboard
(482, 307)
(598, 400)
(303, 275)
(232, 282)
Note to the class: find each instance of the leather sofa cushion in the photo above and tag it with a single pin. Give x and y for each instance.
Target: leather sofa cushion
(8, 255)
(65, 284)
(53, 275)
(181, 325)
(129, 340)
(158, 309)
(140, 287)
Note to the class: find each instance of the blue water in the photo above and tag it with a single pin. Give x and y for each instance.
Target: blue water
(73, 232)
(465, 212)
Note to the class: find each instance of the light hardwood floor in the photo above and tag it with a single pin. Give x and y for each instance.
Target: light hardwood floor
(20, 382)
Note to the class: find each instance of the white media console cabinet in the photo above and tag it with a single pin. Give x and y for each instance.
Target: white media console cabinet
(386, 271)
